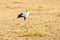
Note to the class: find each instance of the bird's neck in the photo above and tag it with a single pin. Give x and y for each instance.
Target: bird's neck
(27, 12)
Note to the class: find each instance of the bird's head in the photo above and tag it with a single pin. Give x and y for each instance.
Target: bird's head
(27, 11)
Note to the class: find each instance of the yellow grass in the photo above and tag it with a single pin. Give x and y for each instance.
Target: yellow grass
(37, 32)
(43, 23)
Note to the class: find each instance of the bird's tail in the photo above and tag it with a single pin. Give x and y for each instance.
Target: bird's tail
(19, 16)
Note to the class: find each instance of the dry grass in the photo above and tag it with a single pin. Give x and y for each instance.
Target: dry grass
(43, 22)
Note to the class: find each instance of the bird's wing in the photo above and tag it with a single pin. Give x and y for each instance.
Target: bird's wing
(24, 14)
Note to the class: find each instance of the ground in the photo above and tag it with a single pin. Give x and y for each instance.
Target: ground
(43, 23)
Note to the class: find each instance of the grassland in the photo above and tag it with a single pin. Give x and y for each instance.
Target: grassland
(43, 23)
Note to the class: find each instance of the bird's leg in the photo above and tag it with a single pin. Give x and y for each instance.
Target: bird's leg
(24, 18)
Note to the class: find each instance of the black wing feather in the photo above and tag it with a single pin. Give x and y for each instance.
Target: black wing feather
(20, 15)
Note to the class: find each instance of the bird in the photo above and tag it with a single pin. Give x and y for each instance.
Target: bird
(24, 15)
